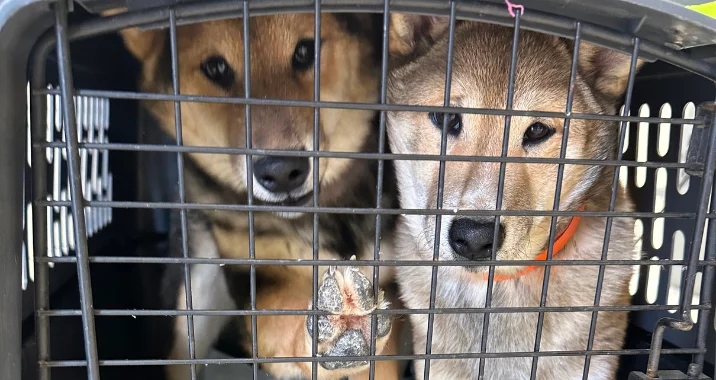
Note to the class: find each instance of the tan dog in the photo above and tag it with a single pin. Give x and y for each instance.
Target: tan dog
(211, 62)
(480, 79)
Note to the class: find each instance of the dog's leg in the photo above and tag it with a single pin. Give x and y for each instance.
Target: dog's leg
(209, 291)
(348, 295)
(387, 369)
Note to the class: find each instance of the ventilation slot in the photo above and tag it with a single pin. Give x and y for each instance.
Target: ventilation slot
(664, 133)
(682, 179)
(92, 115)
(638, 233)
(657, 229)
(678, 244)
(642, 146)
(652, 286)
(623, 170)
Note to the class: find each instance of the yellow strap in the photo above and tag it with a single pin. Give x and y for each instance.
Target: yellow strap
(709, 9)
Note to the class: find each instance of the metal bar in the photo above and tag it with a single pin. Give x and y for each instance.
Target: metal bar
(291, 262)
(441, 188)
(182, 190)
(657, 340)
(492, 310)
(76, 195)
(707, 285)
(306, 359)
(368, 211)
(612, 204)
(557, 193)
(480, 11)
(316, 147)
(500, 188)
(250, 183)
(38, 108)
(128, 95)
(707, 181)
(379, 180)
(363, 156)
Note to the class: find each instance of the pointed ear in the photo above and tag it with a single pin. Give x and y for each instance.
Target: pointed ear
(409, 32)
(143, 45)
(607, 70)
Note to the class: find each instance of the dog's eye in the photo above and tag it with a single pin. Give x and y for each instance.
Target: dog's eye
(453, 120)
(537, 133)
(217, 70)
(303, 55)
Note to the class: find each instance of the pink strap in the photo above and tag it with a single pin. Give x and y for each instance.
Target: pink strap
(511, 7)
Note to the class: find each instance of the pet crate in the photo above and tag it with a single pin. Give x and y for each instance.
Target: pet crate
(75, 270)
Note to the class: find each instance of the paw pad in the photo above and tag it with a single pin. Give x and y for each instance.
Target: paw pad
(349, 298)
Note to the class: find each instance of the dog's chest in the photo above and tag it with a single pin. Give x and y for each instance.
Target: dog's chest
(275, 238)
(509, 331)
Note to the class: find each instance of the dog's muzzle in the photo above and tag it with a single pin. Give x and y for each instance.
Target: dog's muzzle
(281, 174)
(472, 239)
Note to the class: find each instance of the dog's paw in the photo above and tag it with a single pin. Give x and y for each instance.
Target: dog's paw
(348, 295)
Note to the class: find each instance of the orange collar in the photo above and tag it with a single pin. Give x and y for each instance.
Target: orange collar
(559, 244)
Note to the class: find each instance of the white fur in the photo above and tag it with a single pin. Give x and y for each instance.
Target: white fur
(209, 292)
(515, 332)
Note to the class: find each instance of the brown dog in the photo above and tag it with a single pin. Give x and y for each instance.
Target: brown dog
(480, 79)
(211, 57)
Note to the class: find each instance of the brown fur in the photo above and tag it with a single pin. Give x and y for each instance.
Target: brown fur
(480, 79)
(344, 77)
(348, 73)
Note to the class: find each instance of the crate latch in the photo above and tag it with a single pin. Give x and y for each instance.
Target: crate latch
(667, 375)
(699, 142)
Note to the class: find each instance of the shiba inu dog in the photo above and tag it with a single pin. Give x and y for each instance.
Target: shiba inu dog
(480, 74)
(211, 62)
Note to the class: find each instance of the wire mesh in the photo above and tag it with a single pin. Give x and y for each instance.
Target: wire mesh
(182, 15)
(182, 192)
(76, 195)
(316, 145)
(250, 184)
(441, 186)
(501, 189)
(381, 168)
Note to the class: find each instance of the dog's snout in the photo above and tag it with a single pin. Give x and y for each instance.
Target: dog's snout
(473, 239)
(281, 174)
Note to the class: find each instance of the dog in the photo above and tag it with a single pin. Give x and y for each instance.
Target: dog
(481, 64)
(211, 62)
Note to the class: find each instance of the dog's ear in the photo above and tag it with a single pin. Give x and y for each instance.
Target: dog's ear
(143, 45)
(607, 70)
(408, 33)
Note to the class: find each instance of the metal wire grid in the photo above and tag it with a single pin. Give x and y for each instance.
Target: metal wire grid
(195, 13)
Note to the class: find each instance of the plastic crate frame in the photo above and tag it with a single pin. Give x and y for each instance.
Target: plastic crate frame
(174, 16)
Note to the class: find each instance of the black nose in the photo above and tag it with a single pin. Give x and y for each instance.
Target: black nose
(472, 239)
(281, 174)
